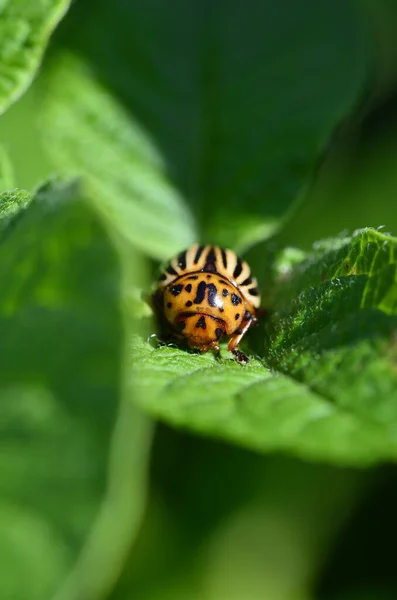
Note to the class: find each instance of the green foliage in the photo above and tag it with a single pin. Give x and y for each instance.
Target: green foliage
(238, 115)
(126, 174)
(201, 123)
(6, 173)
(62, 340)
(331, 389)
(25, 27)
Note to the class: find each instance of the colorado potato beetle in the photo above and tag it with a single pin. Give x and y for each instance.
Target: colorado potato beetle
(204, 294)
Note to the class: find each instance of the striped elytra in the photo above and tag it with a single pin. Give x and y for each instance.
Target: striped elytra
(216, 260)
(204, 294)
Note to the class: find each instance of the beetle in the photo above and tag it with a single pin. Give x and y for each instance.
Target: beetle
(206, 293)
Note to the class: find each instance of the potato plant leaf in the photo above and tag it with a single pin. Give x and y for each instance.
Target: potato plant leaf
(63, 424)
(326, 385)
(25, 27)
(125, 173)
(6, 171)
(238, 115)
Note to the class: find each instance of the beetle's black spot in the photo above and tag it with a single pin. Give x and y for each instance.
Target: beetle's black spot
(198, 254)
(224, 258)
(171, 270)
(254, 291)
(182, 260)
(208, 276)
(212, 293)
(188, 303)
(163, 276)
(201, 323)
(239, 331)
(193, 277)
(237, 316)
(200, 292)
(176, 289)
(218, 332)
(188, 287)
(238, 268)
(247, 281)
(169, 304)
(181, 325)
(225, 292)
(221, 309)
(236, 300)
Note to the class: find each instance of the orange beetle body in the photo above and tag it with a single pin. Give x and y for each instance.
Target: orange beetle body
(204, 294)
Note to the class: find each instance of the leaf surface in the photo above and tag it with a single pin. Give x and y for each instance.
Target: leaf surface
(6, 171)
(125, 172)
(63, 426)
(25, 27)
(238, 104)
(326, 386)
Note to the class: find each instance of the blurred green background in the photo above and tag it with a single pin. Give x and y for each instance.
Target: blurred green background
(316, 82)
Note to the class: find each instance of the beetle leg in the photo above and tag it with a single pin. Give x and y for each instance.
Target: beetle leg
(236, 338)
(241, 358)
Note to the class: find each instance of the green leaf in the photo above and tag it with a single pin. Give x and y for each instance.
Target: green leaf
(64, 480)
(335, 324)
(25, 27)
(326, 388)
(237, 102)
(120, 514)
(6, 171)
(12, 202)
(126, 175)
